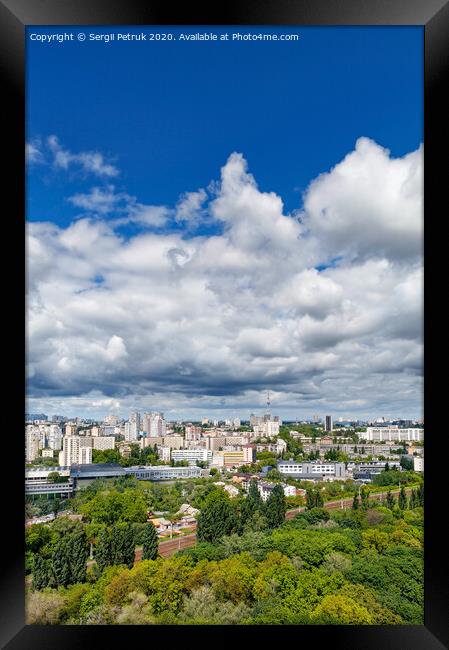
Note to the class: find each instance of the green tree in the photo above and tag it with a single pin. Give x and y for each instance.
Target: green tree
(420, 495)
(61, 562)
(341, 610)
(275, 507)
(390, 501)
(314, 498)
(37, 536)
(150, 543)
(104, 550)
(406, 463)
(364, 498)
(79, 552)
(124, 544)
(251, 504)
(217, 518)
(41, 573)
(355, 502)
(402, 502)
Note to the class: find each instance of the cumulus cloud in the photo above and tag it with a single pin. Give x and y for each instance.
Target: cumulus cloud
(369, 205)
(189, 209)
(201, 324)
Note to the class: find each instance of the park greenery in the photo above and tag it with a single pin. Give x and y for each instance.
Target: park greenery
(362, 565)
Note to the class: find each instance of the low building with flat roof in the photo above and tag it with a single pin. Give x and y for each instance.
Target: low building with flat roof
(312, 471)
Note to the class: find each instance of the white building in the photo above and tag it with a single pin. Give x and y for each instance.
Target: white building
(268, 429)
(73, 453)
(47, 453)
(393, 432)
(32, 440)
(54, 437)
(163, 472)
(154, 425)
(418, 464)
(265, 489)
(164, 453)
(316, 470)
(132, 427)
(192, 455)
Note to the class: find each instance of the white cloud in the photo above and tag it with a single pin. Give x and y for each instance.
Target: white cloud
(99, 200)
(209, 323)
(189, 207)
(33, 153)
(89, 161)
(369, 205)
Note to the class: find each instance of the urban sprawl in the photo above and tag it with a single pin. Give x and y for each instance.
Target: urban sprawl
(257, 521)
(346, 450)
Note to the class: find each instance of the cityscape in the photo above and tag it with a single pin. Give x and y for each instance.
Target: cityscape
(236, 480)
(224, 302)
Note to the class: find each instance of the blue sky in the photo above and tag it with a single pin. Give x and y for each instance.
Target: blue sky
(166, 119)
(171, 113)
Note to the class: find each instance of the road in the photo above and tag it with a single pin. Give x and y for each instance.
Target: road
(172, 546)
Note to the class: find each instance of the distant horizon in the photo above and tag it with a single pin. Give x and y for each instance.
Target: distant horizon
(228, 417)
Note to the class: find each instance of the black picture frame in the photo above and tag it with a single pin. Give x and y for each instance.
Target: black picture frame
(15, 15)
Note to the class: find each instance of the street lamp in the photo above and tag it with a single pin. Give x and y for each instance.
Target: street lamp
(342, 489)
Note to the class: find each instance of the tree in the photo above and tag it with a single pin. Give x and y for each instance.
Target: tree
(390, 501)
(364, 498)
(79, 552)
(420, 495)
(255, 523)
(252, 503)
(217, 518)
(402, 502)
(355, 502)
(124, 544)
(406, 463)
(61, 562)
(387, 467)
(104, 550)
(275, 507)
(336, 609)
(41, 573)
(314, 499)
(150, 543)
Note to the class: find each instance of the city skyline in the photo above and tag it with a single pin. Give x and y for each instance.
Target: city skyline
(197, 276)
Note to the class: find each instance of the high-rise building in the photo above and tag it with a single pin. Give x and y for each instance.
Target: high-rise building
(54, 438)
(132, 427)
(328, 423)
(73, 453)
(70, 429)
(155, 425)
(32, 439)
